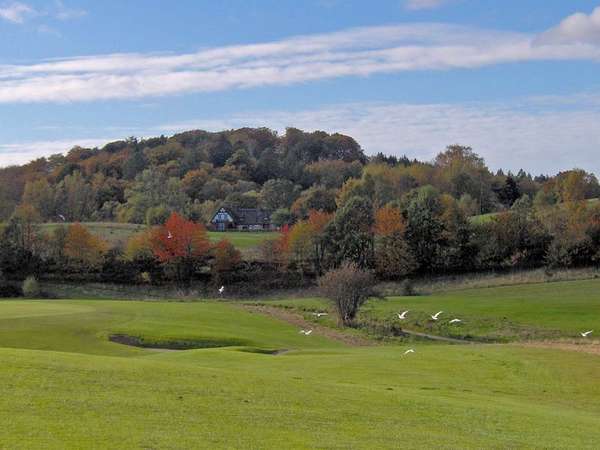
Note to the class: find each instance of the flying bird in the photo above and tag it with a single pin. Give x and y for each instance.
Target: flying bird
(63, 218)
(319, 314)
(436, 315)
(586, 333)
(403, 315)
(455, 321)
(410, 350)
(221, 290)
(169, 236)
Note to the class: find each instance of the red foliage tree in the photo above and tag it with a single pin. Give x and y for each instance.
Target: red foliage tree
(182, 244)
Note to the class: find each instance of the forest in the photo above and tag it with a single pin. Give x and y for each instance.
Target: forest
(394, 216)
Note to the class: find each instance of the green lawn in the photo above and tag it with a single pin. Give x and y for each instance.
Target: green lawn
(65, 386)
(535, 311)
(507, 313)
(116, 233)
(482, 218)
(243, 239)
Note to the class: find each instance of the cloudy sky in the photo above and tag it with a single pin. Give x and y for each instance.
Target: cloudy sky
(518, 80)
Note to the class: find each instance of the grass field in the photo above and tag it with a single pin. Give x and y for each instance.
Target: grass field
(118, 233)
(65, 385)
(559, 310)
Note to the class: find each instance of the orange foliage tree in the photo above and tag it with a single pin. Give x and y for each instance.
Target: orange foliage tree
(393, 258)
(82, 249)
(304, 241)
(389, 221)
(182, 245)
(139, 246)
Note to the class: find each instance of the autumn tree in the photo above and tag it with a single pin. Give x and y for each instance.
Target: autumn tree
(393, 258)
(40, 194)
(226, 259)
(182, 246)
(83, 250)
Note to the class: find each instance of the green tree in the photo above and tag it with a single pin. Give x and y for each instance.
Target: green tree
(349, 237)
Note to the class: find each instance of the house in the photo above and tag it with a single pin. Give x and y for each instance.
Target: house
(242, 219)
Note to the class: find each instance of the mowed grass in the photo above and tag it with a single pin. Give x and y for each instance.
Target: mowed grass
(243, 239)
(65, 386)
(557, 310)
(119, 233)
(534, 311)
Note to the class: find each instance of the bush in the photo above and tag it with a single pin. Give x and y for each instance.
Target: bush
(348, 288)
(31, 287)
(407, 289)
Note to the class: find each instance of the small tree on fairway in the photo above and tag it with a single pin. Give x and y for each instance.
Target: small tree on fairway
(347, 287)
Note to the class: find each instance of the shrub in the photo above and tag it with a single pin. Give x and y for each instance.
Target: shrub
(347, 287)
(31, 287)
(407, 289)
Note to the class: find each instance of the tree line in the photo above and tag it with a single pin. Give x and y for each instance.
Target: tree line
(393, 216)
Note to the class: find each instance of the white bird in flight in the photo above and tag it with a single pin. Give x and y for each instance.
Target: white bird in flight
(63, 218)
(403, 315)
(436, 315)
(319, 314)
(169, 236)
(455, 321)
(221, 289)
(410, 350)
(306, 332)
(586, 333)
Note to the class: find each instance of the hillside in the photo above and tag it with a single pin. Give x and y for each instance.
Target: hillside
(142, 181)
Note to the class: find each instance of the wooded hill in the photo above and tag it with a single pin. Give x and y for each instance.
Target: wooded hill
(143, 181)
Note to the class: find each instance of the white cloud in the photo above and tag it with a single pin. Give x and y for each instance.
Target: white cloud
(578, 28)
(538, 134)
(425, 4)
(63, 12)
(353, 52)
(23, 152)
(16, 12)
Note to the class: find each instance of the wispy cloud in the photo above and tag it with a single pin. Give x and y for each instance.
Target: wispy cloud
(22, 152)
(425, 4)
(19, 13)
(16, 12)
(353, 52)
(63, 12)
(578, 28)
(538, 134)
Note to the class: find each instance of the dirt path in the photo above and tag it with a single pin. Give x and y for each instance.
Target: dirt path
(301, 322)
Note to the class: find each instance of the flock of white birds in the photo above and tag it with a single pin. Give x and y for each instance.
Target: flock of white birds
(436, 316)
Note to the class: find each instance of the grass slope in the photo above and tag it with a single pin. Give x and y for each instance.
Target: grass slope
(65, 386)
(506, 313)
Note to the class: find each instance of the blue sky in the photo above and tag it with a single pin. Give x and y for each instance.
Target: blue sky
(517, 80)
